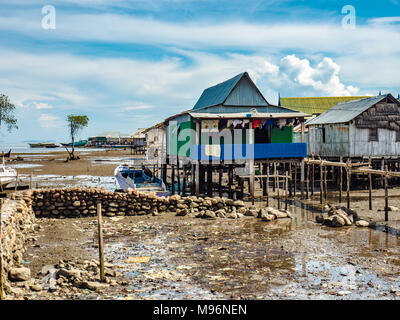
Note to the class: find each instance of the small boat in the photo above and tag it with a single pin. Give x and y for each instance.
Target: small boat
(6, 155)
(7, 174)
(139, 178)
(43, 145)
(80, 143)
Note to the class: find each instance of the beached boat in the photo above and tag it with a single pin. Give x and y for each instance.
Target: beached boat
(139, 178)
(7, 174)
(43, 145)
(80, 143)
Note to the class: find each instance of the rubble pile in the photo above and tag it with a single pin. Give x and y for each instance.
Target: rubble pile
(340, 216)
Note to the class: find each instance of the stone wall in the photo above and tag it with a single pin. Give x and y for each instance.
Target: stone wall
(18, 221)
(74, 202)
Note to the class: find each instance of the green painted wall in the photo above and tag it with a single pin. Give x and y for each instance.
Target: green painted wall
(282, 136)
(182, 147)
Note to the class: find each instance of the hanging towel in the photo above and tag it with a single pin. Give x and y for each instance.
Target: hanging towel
(256, 123)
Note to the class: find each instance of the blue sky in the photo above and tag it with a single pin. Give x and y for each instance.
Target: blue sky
(130, 64)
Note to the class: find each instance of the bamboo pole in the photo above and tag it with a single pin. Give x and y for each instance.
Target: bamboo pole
(312, 176)
(340, 181)
(295, 179)
(100, 238)
(277, 190)
(370, 186)
(308, 181)
(348, 182)
(1, 254)
(321, 185)
(286, 189)
(325, 183)
(386, 197)
(267, 186)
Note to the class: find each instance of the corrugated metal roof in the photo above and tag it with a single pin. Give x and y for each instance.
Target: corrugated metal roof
(231, 109)
(345, 111)
(242, 115)
(315, 105)
(217, 94)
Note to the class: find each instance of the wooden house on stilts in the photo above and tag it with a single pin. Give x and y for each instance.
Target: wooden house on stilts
(232, 128)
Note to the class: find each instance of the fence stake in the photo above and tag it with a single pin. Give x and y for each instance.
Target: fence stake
(101, 251)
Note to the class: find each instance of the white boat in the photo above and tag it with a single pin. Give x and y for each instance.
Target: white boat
(139, 178)
(7, 174)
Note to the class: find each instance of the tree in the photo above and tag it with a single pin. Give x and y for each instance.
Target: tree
(75, 124)
(6, 113)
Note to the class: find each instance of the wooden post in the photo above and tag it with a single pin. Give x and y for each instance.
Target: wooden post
(1, 253)
(173, 179)
(101, 251)
(340, 181)
(308, 180)
(230, 181)
(278, 195)
(302, 178)
(274, 184)
(209, 180)
(286, 189)
(220, 173)
(178, 178)
(295, 179)
(321, 185)
(325, 183)
(267, 186)
(193, 173)
(197, 178)
(291, 179)
(312, 176)
(386, 196)
(30, 181)
(184, 181)
(348, 182)
(370, 186)
(264, 184)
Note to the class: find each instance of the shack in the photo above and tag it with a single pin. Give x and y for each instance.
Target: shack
(232, 125)
(155, 137)
(368, 127)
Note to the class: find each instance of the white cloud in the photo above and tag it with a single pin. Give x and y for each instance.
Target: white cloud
(48, 121)
(42, 105)
(322, 79)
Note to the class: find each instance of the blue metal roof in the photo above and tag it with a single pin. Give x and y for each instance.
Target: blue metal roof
(218, 93)
(345, 111)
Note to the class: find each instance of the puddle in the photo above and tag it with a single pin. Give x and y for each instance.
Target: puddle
(26, 165)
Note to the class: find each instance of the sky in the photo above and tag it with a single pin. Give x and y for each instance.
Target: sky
(131, 64)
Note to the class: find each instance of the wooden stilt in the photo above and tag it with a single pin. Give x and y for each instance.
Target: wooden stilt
(286, 189)
(291, 179)
(184, 181)
(321, 185)
(220, 173)
(340, 181)
(348, 182)
(100, 237)
(295, 180)
(278, 195)
(230, 182)
(267, 187)
(274, 185)
(386, 197)
(325, 183)
(312, 176)
(173, 179)
(264, 184)
(209, 180)
(308, 181)
(178, 178)
(370, 187)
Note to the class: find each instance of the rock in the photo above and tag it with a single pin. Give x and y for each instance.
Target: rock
(68, 273)
(36, 287)
(220, 213)
(76, 203)
(19, 274)
(319, 218)
(232, 215)
(337, 221)
(209, 215)
(393, 208)
(238, 203)
(362, 223)
(92, 285)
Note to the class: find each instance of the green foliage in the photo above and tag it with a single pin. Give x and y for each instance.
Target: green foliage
(76, 123)
(6, 113)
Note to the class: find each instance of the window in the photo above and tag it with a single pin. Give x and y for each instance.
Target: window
(373, 134)
(397, 136)
(323, 135)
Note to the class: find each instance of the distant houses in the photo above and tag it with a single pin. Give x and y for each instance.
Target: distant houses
(357, 128)
(118, 139)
